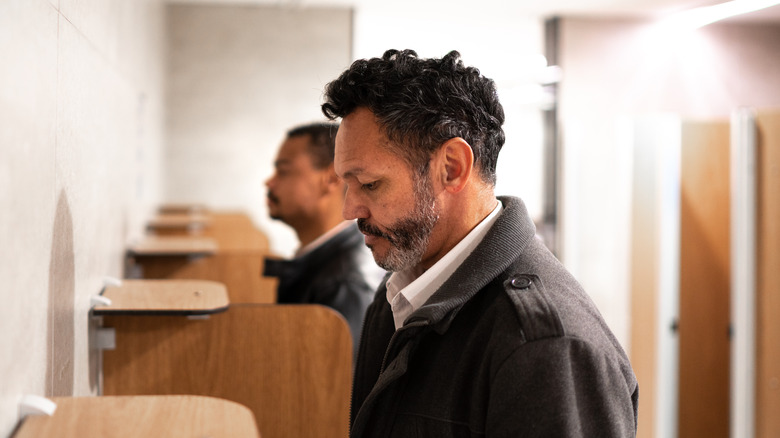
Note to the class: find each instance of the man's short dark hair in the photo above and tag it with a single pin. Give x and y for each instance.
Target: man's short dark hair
(421, 103)
(322, 142)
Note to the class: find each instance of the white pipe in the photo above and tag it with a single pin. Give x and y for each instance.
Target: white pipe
(743, 273)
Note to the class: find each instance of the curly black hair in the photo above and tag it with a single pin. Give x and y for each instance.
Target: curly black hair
(421, 103)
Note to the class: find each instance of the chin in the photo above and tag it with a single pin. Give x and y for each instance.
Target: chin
(379, 258)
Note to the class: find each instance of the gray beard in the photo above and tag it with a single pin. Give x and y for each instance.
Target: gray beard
(408, 237)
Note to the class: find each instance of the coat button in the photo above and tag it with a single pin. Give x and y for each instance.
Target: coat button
(521, 282)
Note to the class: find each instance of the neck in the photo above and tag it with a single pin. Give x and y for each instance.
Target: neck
(460, 217)
(310, 229)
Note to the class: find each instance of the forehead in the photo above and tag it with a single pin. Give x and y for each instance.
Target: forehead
(361, 147)
(294, 148)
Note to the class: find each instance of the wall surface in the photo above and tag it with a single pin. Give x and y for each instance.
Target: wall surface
(239, 77)
(80, 154)
(624, 68)
(617, 69)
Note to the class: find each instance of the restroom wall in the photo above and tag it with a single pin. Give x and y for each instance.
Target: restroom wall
(81, 99)
(239, 77)
(616, 68)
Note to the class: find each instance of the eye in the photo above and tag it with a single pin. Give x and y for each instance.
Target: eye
(370, 185)
(282, 170)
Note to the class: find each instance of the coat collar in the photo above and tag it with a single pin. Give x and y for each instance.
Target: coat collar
(505, 241)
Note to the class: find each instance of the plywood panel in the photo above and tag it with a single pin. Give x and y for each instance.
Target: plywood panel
(768, 276)
(235, 232)
(704, 281)
(241, 272)
(239, 247)
(142, 417)
(290, 364)
(183, 297)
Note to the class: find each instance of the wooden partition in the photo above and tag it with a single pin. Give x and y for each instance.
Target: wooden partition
(233, 231)
(705, 280)
(290, 364)
(240, 272)
(237, 260)
(768, 276)
(707, 404)
(183, 209)
(178, 224)
(141, 417)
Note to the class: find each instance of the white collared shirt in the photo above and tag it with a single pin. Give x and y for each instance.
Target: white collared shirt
(405, 293)
(322, 239)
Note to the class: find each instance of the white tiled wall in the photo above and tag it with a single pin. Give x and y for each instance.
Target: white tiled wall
(80, 154)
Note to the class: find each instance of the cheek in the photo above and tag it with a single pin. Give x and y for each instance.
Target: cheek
(308, 190)
(387, 214)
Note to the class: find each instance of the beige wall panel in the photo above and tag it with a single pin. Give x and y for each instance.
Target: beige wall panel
(79, 156)
(94, 108)
(97, 20)
(28, 81)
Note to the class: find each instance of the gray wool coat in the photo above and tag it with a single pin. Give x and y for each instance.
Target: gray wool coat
(509, 346)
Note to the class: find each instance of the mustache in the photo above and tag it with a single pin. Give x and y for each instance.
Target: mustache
(367, 228)
(272, 197)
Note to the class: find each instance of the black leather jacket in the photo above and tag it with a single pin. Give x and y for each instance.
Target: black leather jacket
(340, 273)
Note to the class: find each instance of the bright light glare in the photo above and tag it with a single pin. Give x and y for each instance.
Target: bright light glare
(696, 18)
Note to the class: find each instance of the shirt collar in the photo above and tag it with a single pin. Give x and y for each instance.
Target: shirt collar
(407, 293)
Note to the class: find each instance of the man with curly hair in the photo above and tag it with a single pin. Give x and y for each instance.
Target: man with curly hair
(480, 330)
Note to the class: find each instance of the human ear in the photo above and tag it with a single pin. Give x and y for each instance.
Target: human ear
(457, 164)
(330, 181)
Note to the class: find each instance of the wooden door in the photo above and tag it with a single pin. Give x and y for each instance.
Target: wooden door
(704, 312)
(768, 276)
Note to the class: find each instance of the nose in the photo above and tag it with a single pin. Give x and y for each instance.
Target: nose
(353, 208)
(270, 181)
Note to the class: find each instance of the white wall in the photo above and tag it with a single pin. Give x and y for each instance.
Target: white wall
(80, 153)
(622, 68)
(239, 77)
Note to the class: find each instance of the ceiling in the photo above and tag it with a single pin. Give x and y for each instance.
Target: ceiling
(602, 8)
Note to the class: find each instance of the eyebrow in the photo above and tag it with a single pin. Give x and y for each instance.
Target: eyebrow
(351, 173)
(358, 171)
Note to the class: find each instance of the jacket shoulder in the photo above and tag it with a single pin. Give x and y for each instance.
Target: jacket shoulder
(537, 314)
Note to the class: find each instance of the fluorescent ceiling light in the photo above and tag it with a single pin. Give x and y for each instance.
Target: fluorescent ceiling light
(696, 18)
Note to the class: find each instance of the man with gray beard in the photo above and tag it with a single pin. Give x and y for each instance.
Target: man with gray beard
(479, 331)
